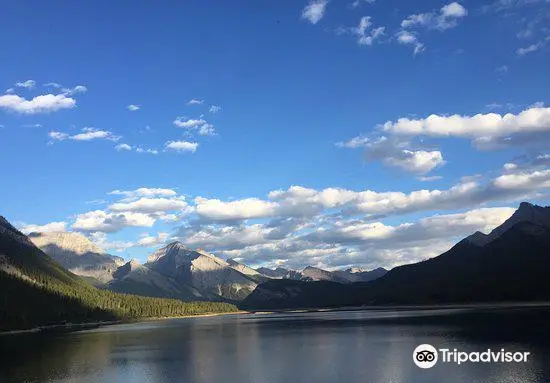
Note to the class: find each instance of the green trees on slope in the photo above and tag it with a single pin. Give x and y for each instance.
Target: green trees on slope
(39, 292)
(27, 304)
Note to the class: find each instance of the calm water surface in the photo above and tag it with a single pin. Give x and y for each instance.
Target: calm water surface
(350, 346)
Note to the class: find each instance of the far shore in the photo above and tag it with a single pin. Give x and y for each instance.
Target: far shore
(70, 327)
(388, 307)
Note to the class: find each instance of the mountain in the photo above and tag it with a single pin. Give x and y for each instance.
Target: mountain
(134, 278)
(36, 291)
(311, 273)
(78, 254)
(526, 212)
(211, 276)
(290, 294)
(510, 264)
(280, 273)
(358, 275)
(248, 271)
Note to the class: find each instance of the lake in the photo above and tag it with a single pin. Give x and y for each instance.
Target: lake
(339, 346)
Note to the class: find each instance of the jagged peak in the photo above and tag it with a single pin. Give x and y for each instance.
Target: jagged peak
(176, 245)
(134, 262)
(525, 205)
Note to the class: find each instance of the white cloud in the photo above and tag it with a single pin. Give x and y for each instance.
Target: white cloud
(147, 151)
(39, 104)
(301, 201)
(502, 69)
(503, 5)
(215, 109)
(510, 166)
(195, 101)
(122, 147)
(529, 49)
(528, 181)
(145, 192)
(87, 134)
(149, 205)
(189, 123)
(100, 239)
(314, 11)
(409, 38)
(533, 47)
(453, 10)
(59, 136)
(342, 241)
(151, 241)
(417, 161)
(357, 3)
(182, 146)
(396, 153)
(446, 18)
(429, 178)
(99, 220)
(53, 85)
(133, 107)
(486, 130)
(29, 84)
(435, 227)
(364, 38)
(207, 130)
(75, 90)
(215, 209)
(47, 228)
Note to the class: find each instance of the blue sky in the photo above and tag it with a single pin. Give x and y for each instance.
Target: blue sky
(288, 132)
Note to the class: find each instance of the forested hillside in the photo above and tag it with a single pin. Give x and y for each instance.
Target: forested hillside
(36, 291)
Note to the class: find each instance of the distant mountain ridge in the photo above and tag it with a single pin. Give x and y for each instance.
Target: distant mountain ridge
(312, 274)
(174, 271)
(509, 264)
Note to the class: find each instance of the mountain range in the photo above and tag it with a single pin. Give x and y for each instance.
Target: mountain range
(509, 264)
(175, 271)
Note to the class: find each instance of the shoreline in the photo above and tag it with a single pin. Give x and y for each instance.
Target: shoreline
(70, 327)
(449, 306)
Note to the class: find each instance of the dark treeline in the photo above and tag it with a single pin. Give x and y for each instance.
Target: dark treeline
(39, 292)
(26, 304)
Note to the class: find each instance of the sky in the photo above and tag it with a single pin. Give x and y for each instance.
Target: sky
(335, 133)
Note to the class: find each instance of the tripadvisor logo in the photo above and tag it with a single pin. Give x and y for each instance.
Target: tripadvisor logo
(426, 356)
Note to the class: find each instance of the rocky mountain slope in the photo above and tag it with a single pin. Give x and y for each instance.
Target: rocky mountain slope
(211, 276)
(248, 271)
(280, 273)
(358, 275)
(311, 273)
(78, 254)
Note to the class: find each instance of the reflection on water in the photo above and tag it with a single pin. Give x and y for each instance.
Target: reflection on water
(353, 346)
